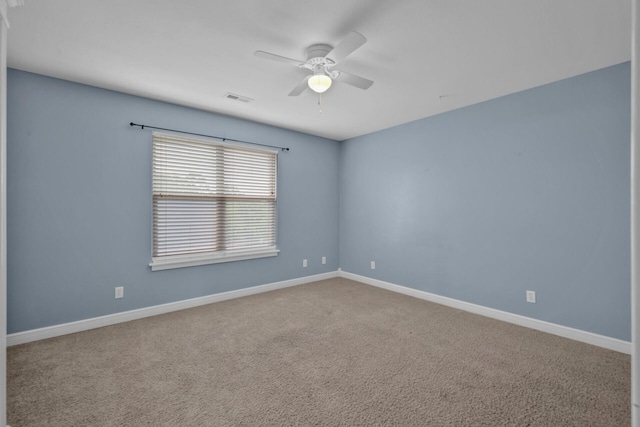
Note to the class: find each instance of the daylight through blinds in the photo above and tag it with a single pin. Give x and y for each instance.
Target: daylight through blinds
(212, 197)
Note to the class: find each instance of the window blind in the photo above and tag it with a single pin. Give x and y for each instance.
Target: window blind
(212, 198)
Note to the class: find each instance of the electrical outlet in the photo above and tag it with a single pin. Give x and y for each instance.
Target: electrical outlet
(304, 263)
(531, 297)
(119, 292)
(373, 265)
(324, 259)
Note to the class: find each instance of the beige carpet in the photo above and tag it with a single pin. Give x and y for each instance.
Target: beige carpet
(331, 353)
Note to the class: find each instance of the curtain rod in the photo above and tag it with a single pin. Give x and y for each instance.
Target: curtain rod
(209, 136)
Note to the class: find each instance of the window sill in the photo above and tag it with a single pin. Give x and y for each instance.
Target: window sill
(179, 261)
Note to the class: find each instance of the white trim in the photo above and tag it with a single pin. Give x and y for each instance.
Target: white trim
(112, 319)
(4, 25)
(635, 213)
(3, 13)
(179, 261)
(539, 325)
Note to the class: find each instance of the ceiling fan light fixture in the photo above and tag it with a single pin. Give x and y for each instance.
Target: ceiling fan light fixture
(319, 82)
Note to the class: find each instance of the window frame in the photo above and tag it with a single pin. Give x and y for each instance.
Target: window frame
(189, 259)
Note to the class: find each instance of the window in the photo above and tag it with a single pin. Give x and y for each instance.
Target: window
(212, 202)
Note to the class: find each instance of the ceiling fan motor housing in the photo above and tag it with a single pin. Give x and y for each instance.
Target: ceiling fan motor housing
(318, 51)
(317, 62)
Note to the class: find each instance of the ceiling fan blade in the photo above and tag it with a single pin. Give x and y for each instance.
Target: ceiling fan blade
(353, 80)
(350, 43)
(301, 87)
(277, 58)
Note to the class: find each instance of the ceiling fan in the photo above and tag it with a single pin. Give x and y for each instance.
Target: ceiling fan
(321, 60)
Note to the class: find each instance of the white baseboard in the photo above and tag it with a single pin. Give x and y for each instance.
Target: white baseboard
(112, 319)
(540, 325)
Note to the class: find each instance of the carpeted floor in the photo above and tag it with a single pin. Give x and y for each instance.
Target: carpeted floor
(331, 353)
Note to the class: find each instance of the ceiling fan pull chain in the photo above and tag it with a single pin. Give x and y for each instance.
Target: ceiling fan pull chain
(320, 102)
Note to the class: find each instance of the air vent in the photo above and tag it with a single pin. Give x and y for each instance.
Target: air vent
(235, 97)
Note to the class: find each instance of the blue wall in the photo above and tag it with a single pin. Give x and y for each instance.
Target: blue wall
(79, 204)
(525, 192)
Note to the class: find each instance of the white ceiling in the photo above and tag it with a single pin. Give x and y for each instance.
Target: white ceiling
(425, 56)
